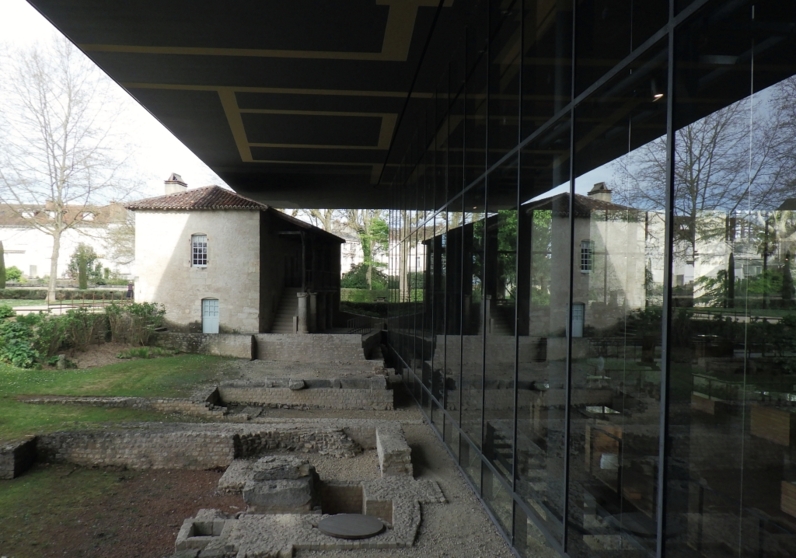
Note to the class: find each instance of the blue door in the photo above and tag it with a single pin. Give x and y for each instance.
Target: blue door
(210, 315)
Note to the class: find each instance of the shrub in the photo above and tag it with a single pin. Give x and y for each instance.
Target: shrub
(356, 278)
(134, 323)
(81, 327)
(15, 343)
(50, 334)
(6, 311)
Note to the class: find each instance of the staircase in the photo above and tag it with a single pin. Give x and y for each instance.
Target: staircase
(502, 320)
(288, 308)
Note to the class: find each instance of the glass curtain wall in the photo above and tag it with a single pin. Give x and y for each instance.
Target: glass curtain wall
(593, 301)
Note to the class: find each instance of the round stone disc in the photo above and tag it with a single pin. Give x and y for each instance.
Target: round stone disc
(351, 526)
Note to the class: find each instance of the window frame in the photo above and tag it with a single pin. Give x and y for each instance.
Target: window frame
(199, 251)
(586, 256)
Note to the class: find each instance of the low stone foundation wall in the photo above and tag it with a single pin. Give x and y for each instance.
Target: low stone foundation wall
(200, 408)
(348, 393)
(17, 457)
(186, 446)
(218, 344)
(316, 347)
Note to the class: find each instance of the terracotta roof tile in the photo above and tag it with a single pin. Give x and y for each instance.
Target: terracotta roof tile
(584, 205)
(206, 198)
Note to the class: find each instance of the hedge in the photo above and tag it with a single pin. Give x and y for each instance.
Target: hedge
(364, 295)
(62, 294)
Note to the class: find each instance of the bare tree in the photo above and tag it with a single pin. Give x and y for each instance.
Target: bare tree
(119, 241)
(329, 220)
(733, 160)
(59, 150)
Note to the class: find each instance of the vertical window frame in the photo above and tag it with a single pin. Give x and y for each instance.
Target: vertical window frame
(199, 251)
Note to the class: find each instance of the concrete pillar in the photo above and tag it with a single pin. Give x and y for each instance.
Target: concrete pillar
(313, 314)
(329, 310)
(302, 312)
(320, 321)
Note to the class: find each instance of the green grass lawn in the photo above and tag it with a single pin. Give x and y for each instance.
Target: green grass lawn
(15, 302)
(175, 376)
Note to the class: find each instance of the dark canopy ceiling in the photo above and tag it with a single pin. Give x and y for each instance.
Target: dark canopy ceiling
(292, 103)
(317, 103)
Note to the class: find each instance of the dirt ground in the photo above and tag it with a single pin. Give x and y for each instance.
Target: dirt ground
(129, 514)
(97, 355)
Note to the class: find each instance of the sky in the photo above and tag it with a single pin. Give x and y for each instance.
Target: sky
(159, 152)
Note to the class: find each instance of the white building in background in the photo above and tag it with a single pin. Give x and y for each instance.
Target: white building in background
(30, 249)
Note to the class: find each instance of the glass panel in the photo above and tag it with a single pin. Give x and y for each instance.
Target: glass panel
(732, 324)
(500, 234)
(504, 76)
(455, 253)
(608, 30)
(546, 62)
(476, 103)
(617, 270)
(543, 241)
(499, 305)
(497, 496)
(473, 315)
(528, 540)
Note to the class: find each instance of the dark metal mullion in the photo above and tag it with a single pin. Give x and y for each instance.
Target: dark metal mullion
(517, 272)
(463, 93)
(570, 266)
(447, 259)
(484, 243)
(663, 434)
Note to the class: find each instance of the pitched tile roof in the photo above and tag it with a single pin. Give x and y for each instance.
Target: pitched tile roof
(584, 205)
(207, 198)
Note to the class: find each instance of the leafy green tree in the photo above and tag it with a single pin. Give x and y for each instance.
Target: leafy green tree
(374, 236)
(84, 255)
(357, 278)
(787, 282)
(14, 274)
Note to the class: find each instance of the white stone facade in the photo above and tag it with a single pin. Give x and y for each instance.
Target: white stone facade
(232, 275)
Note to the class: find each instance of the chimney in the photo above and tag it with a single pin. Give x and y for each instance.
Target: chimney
(174, 184)
(601, 192)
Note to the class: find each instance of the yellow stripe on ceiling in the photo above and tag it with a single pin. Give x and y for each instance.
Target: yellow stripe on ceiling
(230, 104)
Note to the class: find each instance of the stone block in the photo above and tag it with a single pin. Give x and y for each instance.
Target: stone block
(281, 496)
(296, 384)
(275, 467)
(395, 455)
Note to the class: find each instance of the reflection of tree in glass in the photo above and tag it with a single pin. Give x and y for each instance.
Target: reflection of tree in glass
(507, 259)
(738, 158)
(541, 254)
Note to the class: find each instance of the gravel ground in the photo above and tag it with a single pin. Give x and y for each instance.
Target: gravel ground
(459, 528)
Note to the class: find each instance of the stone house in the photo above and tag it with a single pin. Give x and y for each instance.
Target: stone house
(220, 262)
(609, 259)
